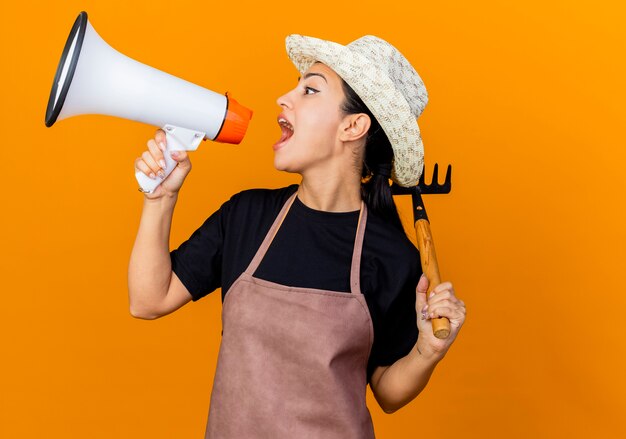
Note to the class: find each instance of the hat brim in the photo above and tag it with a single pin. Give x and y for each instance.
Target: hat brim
(377, 91)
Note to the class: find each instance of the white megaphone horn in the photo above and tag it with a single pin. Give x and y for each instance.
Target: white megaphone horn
(94, 78)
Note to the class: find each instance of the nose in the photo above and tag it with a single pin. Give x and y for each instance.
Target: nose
(284, 101)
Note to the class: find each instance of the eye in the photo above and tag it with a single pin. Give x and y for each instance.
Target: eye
(307, 89)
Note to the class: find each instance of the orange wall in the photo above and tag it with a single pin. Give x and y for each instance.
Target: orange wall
(526, 103)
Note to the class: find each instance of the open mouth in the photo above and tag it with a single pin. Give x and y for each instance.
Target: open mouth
(287, 132)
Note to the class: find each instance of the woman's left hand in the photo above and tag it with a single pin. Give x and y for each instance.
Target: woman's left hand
(442, 302)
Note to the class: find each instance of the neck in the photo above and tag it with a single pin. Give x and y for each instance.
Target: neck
(330, 192)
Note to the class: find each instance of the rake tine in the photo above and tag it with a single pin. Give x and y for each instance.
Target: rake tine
(447, 184)
(421, 183)
(434, 182)
(434, 187)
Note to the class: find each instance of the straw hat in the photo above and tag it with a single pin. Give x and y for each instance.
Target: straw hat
(387, 84)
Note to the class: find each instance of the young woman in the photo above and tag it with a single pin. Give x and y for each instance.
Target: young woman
(321, 287)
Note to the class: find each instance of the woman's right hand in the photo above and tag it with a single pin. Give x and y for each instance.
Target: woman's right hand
(152, 162)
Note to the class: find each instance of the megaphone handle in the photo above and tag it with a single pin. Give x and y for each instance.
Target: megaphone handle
(148, 184)
(188, 142)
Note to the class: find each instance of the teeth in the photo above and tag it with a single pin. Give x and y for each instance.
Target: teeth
(285, 123)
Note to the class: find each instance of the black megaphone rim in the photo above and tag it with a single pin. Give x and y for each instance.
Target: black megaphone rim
(52, 110)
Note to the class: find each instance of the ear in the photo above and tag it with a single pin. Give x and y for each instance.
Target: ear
(354, 127)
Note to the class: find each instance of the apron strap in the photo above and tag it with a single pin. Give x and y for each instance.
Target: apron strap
(254, 264)
(355, 271)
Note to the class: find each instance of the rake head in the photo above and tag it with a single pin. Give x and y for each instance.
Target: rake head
(433, 188)
(419, 211)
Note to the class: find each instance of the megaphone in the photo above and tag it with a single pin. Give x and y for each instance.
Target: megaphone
(94, 78)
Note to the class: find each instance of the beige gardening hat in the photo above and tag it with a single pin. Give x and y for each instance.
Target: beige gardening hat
(385, 81)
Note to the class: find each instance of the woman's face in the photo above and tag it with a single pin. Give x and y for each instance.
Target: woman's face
(311, 121)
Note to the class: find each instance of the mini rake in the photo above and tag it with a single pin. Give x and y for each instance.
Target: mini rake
(425, 245)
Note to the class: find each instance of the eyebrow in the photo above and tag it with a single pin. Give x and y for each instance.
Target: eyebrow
(308, 75)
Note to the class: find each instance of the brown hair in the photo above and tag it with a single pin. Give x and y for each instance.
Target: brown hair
(377, 163)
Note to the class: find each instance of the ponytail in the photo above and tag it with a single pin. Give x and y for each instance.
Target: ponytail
(376, 170)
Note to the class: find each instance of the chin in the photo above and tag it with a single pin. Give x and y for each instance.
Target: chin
(280, 164)
(283, 161)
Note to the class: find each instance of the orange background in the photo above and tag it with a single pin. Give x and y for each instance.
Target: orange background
(526, 103)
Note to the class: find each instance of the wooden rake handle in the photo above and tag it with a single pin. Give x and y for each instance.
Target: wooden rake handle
(426, 247)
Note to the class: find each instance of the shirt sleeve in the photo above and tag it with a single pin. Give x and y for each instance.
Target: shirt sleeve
(198, 261)
(397, 332)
